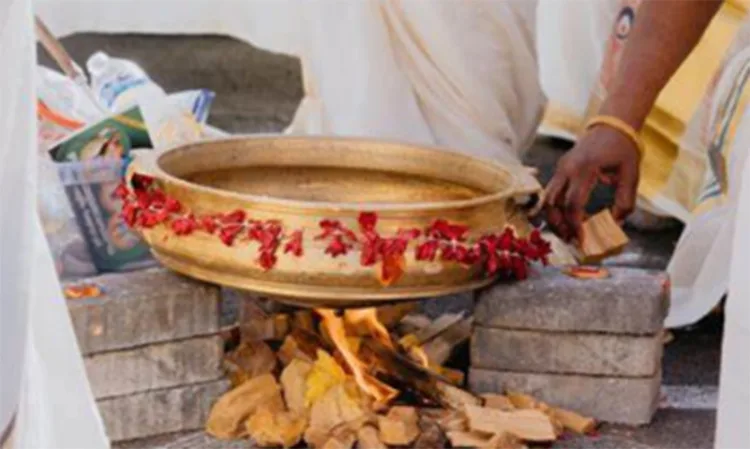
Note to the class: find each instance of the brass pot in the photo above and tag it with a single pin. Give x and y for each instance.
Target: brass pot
(303, 180)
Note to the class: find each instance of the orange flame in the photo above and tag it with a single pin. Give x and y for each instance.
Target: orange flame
(381, 392)
(368, 317)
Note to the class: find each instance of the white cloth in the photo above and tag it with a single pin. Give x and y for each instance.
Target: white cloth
(458, 74)
(42, 378)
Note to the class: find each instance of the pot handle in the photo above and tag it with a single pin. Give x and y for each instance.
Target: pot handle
(527, 191)
(143, 162)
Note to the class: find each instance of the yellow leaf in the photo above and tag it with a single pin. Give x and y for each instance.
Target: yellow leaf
(325, 373)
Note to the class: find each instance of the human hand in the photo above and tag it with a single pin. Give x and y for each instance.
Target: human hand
(604, 155)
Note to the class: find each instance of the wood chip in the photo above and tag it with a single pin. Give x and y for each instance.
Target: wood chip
(250, 359)
(294, 383)
(497, 401)
(455, 397)
(335, 409)
(341, 440)
(265, 327)
(232, 409)
(431, 436)
(451, 420)
(273, 428)
(460, 438)
(504, 440)
(522, 400)
(574, 422)
(400, 427)
(369, 439)
(529, 425)
(602, 237)
(440, 347)
(303, 319)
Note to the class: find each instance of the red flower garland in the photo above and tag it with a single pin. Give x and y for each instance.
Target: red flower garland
(503, 253)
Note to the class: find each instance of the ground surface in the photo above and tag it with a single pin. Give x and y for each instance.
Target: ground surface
(258, 92)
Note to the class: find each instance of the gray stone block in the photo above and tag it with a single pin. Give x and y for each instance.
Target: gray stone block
(144, 307)
(630, 301)
(566, 352)
(156, 366)
(625, 400)
(159, 412)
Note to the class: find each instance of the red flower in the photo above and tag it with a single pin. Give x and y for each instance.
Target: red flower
(370, 252)
(409, 234)
(147, 219)
(267, 260)
(208, 223)
(229, 233)
(184, 225)
(294, 245)
(141, 182)
(367, 221)
(121, 191)
(172, 205)
(506, 240)
(427, 250)
(236, 217)
(519, 268)
(130, 213)
(442, 229)
(337, 247)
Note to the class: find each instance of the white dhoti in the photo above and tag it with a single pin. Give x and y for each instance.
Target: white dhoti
(45, 398)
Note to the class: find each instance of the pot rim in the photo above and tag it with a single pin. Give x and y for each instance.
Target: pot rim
(153, 159)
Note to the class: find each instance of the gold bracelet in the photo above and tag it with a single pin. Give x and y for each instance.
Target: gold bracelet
(619, 125)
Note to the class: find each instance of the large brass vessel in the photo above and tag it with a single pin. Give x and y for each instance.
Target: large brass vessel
(303, 180)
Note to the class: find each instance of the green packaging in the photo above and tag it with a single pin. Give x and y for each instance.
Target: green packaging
(90, 164)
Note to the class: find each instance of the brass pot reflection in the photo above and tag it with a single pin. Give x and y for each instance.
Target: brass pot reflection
(303, 180)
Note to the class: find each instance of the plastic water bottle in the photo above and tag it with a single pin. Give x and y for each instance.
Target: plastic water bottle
(121, 84)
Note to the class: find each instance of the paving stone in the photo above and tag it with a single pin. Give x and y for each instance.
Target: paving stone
(566, 352)
(624, 400)
(155, 366)
(629, 301)
(159, 412)
(144, 307)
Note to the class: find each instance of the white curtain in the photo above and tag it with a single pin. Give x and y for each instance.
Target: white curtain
(43, 383)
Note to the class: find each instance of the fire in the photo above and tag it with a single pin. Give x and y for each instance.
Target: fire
(368, 317)
(336, 329)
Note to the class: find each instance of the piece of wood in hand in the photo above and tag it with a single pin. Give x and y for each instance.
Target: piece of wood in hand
(400, 427)
(368, 438)
(602, 237)
(529, 425)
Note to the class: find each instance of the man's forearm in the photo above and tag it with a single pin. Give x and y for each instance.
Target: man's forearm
(663, 35)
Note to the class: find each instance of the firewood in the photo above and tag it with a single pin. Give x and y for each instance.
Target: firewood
(341, 440)
(602, 237)
(412, 323)
(440, 347)
(392, 314)
(529, 425)
(574, 422)
(497, 401)
(303, 319)
(294, 383)
(455, 397)
(560, 418)
(270, 429)
(460, 438)
(438, 326)
(299, 344)
(235, 407)
(325, 374)
(431, 436)
(265, 327)
(455, 376)
(333, 410)
(250, 359)
(448, 420)
(400, 427)
(368, 438)
(504, 440)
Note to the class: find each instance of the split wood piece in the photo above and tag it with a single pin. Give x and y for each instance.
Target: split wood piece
(413, 323)
(304, 320)
(368, 438)
(448, 420)
(400, 427)
(337, 409)
(429, 385)
(569, 420)
(294, 383)
(250, 359)
(461, 438)
(602, 237)
(431, 436)
(300, 344)
(270, 428)
(256, 324)
(498, 401)
(235, 407)
(440, 347)
(529, 425)
(343, 439)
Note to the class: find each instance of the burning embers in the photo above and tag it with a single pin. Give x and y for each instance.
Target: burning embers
(339, 379)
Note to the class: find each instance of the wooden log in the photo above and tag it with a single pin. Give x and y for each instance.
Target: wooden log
(232, 410)
(368, 438)
(440, 347)
(498, 401)
(560, 417)
(529, 425)
(431, 436)
(400, 427)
